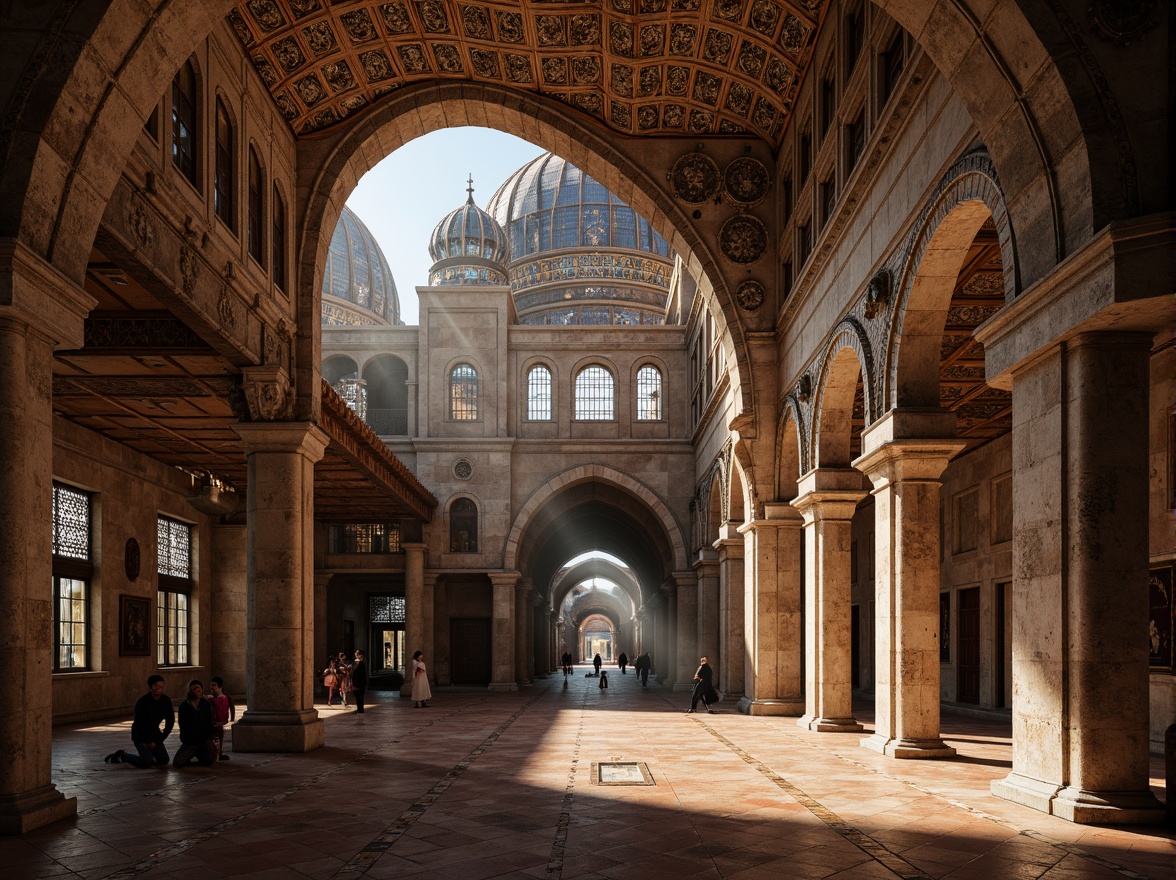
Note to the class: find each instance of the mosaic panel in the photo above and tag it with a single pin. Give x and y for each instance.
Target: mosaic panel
(732, 65)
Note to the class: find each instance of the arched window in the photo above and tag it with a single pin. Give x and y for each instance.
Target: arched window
(463, 393)
(184, 135)
(463, 526)
(279, 240)
(649, 394)
(225, 178)
(256, 230)
(539, 394)
(594, 394)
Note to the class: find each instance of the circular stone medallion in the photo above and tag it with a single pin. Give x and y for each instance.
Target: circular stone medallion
(749, 295)
(695, 178)
(746, 181)
(743, 239)
(462, 469)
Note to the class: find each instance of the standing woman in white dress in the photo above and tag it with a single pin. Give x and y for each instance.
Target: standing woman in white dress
(420, 681)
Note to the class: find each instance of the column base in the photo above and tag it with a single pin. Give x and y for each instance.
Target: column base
(503, 686)
(749, 706)
(1080, 806)
(829, 725)
(23, 812)
(297, 731)
(912, 749)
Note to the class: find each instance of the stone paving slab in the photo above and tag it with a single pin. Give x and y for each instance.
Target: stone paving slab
(485, 785)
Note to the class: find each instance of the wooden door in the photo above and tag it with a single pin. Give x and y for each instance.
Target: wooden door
(969, 647)
(469, 648)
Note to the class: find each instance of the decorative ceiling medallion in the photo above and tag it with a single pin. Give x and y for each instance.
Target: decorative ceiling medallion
(1122, 21)
(743, 239)
(746, 181)
(750, 295)
(462, 469)
(695, 178)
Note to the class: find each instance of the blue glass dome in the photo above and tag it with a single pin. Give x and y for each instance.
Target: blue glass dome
(579, 255)
(468, 247)
(358, 287)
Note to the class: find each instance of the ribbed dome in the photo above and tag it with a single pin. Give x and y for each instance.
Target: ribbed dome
(468, 247)
(358, 287)
(579, 255)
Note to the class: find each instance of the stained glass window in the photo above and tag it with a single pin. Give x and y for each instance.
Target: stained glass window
(594, 394)
(539, 394)
(71, 578)
(463, 393)
(649, 394)
(174, 566)
(172, 628)
(175, 547)
(70, 623)
(386, 609)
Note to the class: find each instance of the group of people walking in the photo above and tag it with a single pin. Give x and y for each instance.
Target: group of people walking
(347, 678)
(202, 726)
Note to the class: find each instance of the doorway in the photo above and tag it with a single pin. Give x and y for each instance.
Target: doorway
(969, 647)
(470, 650)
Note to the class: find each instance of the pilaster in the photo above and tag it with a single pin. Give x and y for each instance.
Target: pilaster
(905, 474)
(686, 608)
(827, 501)
(502, 636)
(709, 632)
(772, 612)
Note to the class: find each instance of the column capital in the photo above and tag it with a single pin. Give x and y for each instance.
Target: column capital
(909, 423)
(304, 438)
(829, 493)
(707, 559)
(35, 293)
(685, 578)
(908, 460)
(504, 578)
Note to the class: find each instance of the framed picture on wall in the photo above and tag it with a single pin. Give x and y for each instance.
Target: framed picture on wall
(134, 626)
(1160, 617)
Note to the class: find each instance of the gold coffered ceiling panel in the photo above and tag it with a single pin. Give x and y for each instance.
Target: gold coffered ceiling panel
(656, 67)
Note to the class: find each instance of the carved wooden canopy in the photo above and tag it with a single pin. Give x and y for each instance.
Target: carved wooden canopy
(653, 67)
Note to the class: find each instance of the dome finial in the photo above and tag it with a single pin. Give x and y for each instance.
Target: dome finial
(470, 190)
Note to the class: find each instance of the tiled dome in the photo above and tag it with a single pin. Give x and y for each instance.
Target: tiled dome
(579, 255)
(468, 247)
(357, 285)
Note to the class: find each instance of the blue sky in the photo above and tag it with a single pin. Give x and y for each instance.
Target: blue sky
(403, 197)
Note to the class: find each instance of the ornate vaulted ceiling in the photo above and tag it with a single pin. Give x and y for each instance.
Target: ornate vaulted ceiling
(644, 67)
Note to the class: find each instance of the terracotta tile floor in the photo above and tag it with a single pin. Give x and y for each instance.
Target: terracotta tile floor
(502, 785)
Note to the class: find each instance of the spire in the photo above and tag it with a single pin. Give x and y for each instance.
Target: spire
(470, 190)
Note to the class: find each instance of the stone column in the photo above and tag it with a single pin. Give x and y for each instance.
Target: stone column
(905, 473)
(732, 609)
(38, 309)
(229, 567)
(280, 527)
(708, 638)
(1080, 557)
(416, 627)
(321, 580)
(502, 635)
(827, 500)
(772, 611)
(666, 658)
(686, 629)
(440, 651)
(523, 660)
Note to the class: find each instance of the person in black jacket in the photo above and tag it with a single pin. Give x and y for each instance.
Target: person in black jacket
(359, 680)
(704, 688)
(152, 710)
(197, 730)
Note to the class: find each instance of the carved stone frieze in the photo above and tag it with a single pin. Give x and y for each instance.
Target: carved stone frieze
(743, 239)
(268, 394)
(750, 295)
(139, 220)
(147, 333)
(695, 178)
(877, 294)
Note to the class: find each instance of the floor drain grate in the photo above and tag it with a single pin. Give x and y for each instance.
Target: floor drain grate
(621, 773)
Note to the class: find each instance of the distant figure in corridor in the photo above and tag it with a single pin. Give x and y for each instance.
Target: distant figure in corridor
(623, 661)
(704, 688)
(604, 681)
(596, 663)
(420, 682)
(566, 661)
(359, 680)
(641, 668)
